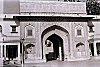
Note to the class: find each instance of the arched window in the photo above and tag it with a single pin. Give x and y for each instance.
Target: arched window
(80, 46)
(30, 48)
(0, 29)
(79, 31)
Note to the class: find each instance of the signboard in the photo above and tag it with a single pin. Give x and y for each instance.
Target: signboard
(53, 7)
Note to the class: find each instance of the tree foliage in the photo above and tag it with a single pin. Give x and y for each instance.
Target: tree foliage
(93, 7)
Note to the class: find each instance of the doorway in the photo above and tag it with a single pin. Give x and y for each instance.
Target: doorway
(98, 48)
(56, 43)
(11, 51)
(91, 49)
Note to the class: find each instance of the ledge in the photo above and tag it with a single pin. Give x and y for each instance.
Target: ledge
(14, 32)
(52, 18)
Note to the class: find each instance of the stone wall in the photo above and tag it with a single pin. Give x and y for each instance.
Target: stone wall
(71, 41)
(75, 40)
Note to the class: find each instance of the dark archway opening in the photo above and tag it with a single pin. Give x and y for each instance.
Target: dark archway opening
(48, 30)
(91, 49)
(98, 48)
(11, 51)
(57, 42)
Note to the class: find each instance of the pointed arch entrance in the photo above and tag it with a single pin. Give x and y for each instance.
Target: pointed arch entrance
(55, 44)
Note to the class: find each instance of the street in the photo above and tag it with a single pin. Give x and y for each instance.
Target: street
(9, 64)
(56, 63)
(84, 63)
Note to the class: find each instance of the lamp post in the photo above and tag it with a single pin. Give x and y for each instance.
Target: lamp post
(22, 41)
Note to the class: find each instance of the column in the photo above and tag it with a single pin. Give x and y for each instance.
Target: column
(1, 59)
(95, 49)
(4, 52)
(44, 50)
(19, 52)
(60, 54)
(1, 51)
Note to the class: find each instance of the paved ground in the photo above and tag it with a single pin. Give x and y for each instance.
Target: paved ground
(11, 65)
(86, 63)
(55, 63)
(8, 64)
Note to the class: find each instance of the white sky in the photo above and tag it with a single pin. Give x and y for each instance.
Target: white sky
(96, 27)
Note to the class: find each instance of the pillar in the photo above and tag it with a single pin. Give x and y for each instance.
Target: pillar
(95, 49)
(60, 54)
(1, 59)
(44, 50)
(4, 52)
(19, 52)
(1, 51)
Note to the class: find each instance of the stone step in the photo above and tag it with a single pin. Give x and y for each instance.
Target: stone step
(34, 60)
(95, 58)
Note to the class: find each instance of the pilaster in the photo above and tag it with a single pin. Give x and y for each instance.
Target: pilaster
(95, 49)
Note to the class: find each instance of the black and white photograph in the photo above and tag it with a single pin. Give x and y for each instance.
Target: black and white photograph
(49, 33)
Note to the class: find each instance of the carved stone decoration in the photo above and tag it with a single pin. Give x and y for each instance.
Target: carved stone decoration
(44, 25)
(52, 7)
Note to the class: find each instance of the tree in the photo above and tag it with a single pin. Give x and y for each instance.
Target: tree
(93, 7)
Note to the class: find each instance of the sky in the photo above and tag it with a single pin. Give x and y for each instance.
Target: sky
(11, 6)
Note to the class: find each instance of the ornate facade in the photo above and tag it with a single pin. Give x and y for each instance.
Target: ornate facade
(54, 34)
(69, 39)
(49, 31)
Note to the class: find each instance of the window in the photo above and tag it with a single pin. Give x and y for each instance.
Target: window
(30, 49)
(29, 32)
(79, 32)
(0, 28)
(91, 29)
(80, 47)
(14, 29)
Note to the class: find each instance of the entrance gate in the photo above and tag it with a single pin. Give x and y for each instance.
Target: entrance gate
(55, 43)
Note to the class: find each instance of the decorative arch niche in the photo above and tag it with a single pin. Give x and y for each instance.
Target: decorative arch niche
(80, 50)
(29, 50)
(79, 31)
(29, 31)
(80, 47)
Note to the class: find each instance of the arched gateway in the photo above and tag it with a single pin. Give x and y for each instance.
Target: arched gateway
(55, 43)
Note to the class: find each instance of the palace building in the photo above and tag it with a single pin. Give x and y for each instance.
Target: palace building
(41, 31)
